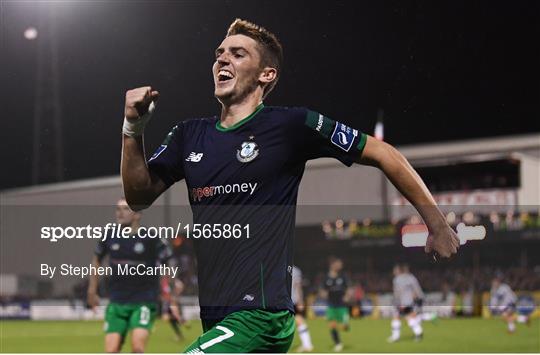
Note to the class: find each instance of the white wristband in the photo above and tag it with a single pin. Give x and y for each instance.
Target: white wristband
(136, 129)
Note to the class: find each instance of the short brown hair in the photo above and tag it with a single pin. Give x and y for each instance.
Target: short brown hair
(270, 48)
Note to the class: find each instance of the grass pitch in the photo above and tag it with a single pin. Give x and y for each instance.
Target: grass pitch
(366, 335)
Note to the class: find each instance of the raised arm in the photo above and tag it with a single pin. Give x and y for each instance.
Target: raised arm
(397, 169)
(141, 187)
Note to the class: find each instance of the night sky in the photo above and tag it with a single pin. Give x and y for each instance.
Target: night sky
(440, 70)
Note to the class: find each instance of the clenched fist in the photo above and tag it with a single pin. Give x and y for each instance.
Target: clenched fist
(137, 102)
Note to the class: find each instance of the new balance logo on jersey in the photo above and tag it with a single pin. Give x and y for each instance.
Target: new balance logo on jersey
(248, 298)
(195, 157)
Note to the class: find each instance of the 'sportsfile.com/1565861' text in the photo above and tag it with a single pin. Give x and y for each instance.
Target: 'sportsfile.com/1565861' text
(117, 231)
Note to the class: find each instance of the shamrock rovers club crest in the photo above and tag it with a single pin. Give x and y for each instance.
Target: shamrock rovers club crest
(247, 152)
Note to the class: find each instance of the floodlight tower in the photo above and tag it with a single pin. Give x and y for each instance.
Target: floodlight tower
(47, 154)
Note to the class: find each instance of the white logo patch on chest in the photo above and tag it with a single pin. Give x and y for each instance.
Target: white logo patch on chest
(247, 152)
(195, 157)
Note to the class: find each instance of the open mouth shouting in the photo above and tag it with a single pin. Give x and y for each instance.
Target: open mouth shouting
(224, 76)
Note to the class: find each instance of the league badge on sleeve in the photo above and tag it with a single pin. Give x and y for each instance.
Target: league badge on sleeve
(343, 136)
(158, 152)
(247, 152)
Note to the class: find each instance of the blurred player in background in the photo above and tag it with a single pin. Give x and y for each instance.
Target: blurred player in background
(171, 291)
(408, 298)
(297, 295)
(133, 299)
(336, 291)
(503, 302)
(419, 298)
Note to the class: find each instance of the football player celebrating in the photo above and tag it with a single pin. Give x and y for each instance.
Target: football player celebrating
(252, 156)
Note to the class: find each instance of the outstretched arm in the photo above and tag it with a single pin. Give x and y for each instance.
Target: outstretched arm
(397, 169)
